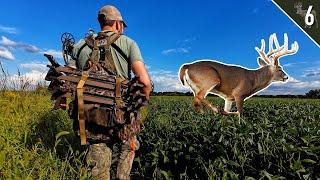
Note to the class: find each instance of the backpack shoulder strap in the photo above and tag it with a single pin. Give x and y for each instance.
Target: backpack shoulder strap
(100, 51)
(113, 37)
(105, 41)
(108, 59)
(119, 50)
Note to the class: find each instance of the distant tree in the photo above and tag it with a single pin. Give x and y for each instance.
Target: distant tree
(313, 94)
(174, 93)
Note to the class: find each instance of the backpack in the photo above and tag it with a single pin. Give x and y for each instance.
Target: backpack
(94, 121)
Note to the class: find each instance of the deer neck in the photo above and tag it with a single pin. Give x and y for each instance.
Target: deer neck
(261, 78)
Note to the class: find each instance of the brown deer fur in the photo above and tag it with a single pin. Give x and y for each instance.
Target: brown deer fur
(231, 82)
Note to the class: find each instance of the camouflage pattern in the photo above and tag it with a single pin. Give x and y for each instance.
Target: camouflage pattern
(99, 158)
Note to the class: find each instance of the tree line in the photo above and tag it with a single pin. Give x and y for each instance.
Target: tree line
(312, 94)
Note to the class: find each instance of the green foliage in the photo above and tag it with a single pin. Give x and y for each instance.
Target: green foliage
(277, 138)
(34, 143)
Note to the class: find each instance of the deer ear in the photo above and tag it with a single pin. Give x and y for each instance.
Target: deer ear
(261, 62)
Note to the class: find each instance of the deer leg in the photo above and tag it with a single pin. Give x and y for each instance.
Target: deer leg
(227, 107)
(201, 96)
(239, 104)
(210, 106)
(201, 87)
(197, 104)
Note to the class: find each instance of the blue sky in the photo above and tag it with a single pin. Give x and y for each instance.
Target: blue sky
(168, 32)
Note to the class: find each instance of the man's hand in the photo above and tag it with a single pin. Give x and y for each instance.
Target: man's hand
(140, 70)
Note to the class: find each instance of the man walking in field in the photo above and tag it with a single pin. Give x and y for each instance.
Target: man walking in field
(125, 57)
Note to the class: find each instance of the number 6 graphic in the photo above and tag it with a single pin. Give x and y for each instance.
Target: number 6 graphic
(309, 19)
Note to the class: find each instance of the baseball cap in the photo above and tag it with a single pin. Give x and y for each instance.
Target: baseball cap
(111, 13)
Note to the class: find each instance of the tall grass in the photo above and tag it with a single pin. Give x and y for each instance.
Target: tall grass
(36, 142)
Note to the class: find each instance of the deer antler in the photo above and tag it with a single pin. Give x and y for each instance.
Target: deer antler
(261, 51)
(278, 51)
(263, 55)
(284, 49)
(273, 39)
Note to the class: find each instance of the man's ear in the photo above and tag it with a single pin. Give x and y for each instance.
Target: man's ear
(118, 27)
(261, 62)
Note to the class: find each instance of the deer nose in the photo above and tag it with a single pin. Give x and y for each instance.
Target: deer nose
(285, 78)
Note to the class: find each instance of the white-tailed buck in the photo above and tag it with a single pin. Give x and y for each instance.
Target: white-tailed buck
(234, 83)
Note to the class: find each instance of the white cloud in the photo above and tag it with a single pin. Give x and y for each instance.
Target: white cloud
(293, 86)
(183, 47)
(187, 41)
(36, 71)
(312, 73)
(7, 42)
(26, 81)
(35, 75)
(31, 48)
(6, 54)
(52, 52)
(26, 47)
(175, 51)
(10, 30)
(35, 66)
(166, 81)
(292, 64)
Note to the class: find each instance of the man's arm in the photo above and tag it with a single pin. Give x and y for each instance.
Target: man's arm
(140, 71)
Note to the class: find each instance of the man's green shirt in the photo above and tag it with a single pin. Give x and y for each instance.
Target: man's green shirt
(127, 45)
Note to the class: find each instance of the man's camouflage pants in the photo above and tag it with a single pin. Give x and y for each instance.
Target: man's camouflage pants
(99, 157)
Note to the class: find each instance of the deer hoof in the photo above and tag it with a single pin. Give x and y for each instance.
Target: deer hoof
(224, 113)
(215, 110)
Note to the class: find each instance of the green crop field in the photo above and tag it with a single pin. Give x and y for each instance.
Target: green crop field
(276, 139)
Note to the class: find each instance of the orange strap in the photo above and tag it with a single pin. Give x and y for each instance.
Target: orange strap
(82, 128)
